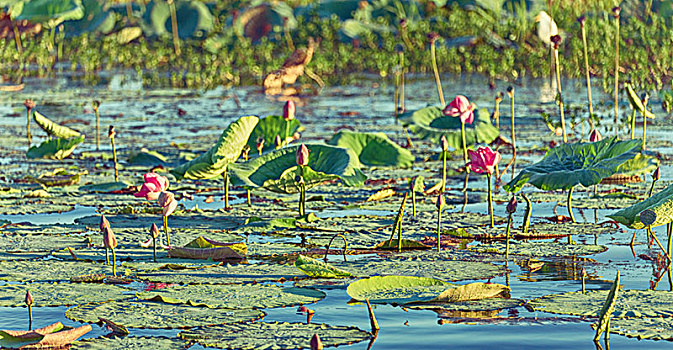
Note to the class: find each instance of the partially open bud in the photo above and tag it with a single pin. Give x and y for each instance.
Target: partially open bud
(103, 223)
(511, 206)
(168, 202)
(302, 155)
(154, 231)
(510, 91)
(245, 152)
(444, 143)
(595, 136)
(441, 201)
(29, 298)
(316, 343)
(288, 110)
(277, 141)
(109, 239)
(111, 132)
(656, 175)
(30, 104)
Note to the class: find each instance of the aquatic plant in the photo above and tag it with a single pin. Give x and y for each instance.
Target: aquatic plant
(483, 161)
(153, 186)
(556, 40)
(441, 201)
(511, 209)
(104, 223)
(461, 107)
(432, 38)
(606, 312)
(110, 242)
(95, 104)
(615, 11)
(445, 149)
(28, 300)
(373, 148)
(582, 21)
(302, 161)
(111, 135)
(288, 116)
(168, 204)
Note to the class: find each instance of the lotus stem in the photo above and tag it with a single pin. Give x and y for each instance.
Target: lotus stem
(586, 69)
(462, 135)
(107, 257)
(174, 26)
(438, 82)
(645, 101)
(439, 229)
(616, 70)
(29, 111)
(510, 92)
(649, 193)
(397, 225)
(30, 317)
(226, 188)
(633, 124)
(496, 114)
(129, 12)
(490, 199)
(584, 290)
(413, 202)
(669, 228)
(372, 318)
(529, 211)
(330, 244)
(402, 108)
(114, 151)
(569, 204)
(409, 143)
(509, 225)
(154, 247)
(248, 197)
(168, 237)
(17, 39)
(287, 132)
(560, 95)
(396, 95)
(443, 188)
(649, 230)
(59, 52)
(95, 109)
(114, 263)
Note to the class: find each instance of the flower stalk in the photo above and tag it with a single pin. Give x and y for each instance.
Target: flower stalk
(30, 105)
(432, 37)
(511, 209)
(29, 302)
(111, 134)
(582, 21)
(615, 12)
(440, 205)
(556, 39)
(95, 105)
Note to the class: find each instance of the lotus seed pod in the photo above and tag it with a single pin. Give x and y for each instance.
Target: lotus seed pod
(432, 37)
(95, 104)
(648, 217)
(616, 10)
(510, 91)
(511, 206)
(30, 104)
(582, 19)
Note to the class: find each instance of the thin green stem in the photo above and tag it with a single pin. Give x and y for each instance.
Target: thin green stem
(586, 69)
(560, 96)
(569, 204)
(402, 108)
(529, 212)
(490, 199)
(174, 27)
(617, 75)
(439, 229)
(107, 257)
(114, 263)
(438, 82)
(649, 193)
(226, 188)
(443, 189)
(114, 158)
(462, 135)
(248, 196)
(396, 95)
(513, 133)
(97, 129)
(509, 226)
(644, 130)
(287, 132)
(30, 317)
(29, 111)
(168, 237)
(154, 247)
(17, 39)
(633, 124)
(413, 202)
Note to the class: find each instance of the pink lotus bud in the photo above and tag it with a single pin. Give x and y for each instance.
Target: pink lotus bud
(584, 272)
(168, 202)
(30, 104)
(154, 231)
(29, 298)
(595, 136)
(288, 110)
(656, 175)
(316, 343)
(302, 155)
(111, 132)
(109, 239)
(483, 160)
(103, 223)
(511, 206)
(444, 143)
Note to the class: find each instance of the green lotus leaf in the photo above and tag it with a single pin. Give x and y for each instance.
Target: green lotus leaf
(570, 164)
(276, 170)
(319, 269)
(245, 296)
(105, 187)
(49, 12)
(630, 303)
(194, 19)
(431, 123)
(409, 289)
(95, 20)
(373, 148)
(54, 129)
(654, 328)
(638, 165)
(541, 249)
(159, 315)
(267, 335)
(661, 203)
(268, 128)
(55, 148)
(147, 158)
(635, 101)
(470, 305)
(225, 274)
(48, 270)
(227, 149)
(61, 294)
(126, 343)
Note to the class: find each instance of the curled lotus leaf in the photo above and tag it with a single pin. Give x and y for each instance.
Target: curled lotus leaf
(54, 129)
(126, 343)
(630, 303)
(61, 294)
(318, 269)
(57, 148)
(276, 335)
(431, 123)
(570, 164)
(661, 204)
(373, 149)
(159, 315)
(276, 171)
(245, 296)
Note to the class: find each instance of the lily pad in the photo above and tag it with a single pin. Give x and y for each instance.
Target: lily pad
(159, 315)
(247, 296)
(276, 170)
(276, 335)
(57, 148)
(489, 304)
(227, 149)
(630, 303)
(60, 294)
(652, 328)
(225, 274)
(407, 289)
(431, 123)
(105, 187)
(318, 269)
(48, 270)
(126, 343)
(373, 149)
(541, 249)
(570, 164)
(661, 203)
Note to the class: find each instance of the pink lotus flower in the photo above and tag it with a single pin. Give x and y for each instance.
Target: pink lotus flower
(168, 202)
(302, 155)
(154, 184)
(103, 223)
(483, 160)
(461, 107)
(109, 239)
(595, 136)
(288, 110)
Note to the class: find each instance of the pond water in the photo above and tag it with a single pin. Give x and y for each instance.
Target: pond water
(156, 118)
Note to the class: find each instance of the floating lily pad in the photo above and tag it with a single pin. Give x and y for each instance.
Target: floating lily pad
(159, 315)
(48, 270)
(126, 343)
(319, 269)
(266, 335)
(105, 187)
(374, 149)
(248, 296)
(39, 243)
(178, 222)
(630, 303)
(32, 206)
(431, 123)
(225, 274)
(541, 249)
(489, 304)
(652, 328)
(61, 294)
